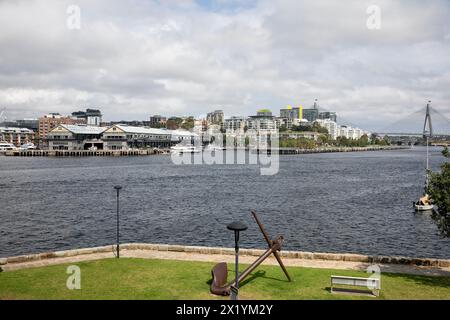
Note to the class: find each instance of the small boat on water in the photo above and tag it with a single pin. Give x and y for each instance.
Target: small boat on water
(424, 203)
(6, 146)
(212, 147)
(28, 146)
(184, 149)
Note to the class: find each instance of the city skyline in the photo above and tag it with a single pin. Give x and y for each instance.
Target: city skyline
(192, 57)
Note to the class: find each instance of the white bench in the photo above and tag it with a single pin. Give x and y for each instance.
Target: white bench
(372, 284)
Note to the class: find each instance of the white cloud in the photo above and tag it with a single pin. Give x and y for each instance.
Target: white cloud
(137, 58)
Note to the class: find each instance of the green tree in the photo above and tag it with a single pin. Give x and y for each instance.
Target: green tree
(318, 128)
(363, 141)
(323, 139)
(188, 123)
(174, 123)
(439, 191)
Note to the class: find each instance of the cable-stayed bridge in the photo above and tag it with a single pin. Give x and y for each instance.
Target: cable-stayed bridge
(415, 127)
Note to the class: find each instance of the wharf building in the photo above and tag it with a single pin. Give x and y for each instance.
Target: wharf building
(116, 137)
(75, 137)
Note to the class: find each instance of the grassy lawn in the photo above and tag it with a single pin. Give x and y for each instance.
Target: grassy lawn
(128, 278)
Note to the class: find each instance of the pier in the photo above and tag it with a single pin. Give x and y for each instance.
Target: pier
(288, 151)
(147, 152)
(83, 153)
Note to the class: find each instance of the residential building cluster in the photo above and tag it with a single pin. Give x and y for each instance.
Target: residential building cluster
(86, 130)
(291, 117)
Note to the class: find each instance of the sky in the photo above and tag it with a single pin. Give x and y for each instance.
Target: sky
(136, 58)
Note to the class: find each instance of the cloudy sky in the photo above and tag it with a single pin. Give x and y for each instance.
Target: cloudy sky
(135, 58)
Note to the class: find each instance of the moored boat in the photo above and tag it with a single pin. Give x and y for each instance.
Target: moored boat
(184, 149)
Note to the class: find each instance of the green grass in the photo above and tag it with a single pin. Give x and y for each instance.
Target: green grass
(128, 278)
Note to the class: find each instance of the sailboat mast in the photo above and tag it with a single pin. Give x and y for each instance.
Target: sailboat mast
(426, 181)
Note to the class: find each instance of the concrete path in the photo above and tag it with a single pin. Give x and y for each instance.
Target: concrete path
(215, 258)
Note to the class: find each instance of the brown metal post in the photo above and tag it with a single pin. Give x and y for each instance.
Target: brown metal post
(254, 265)
(280, 262)
(269, 242)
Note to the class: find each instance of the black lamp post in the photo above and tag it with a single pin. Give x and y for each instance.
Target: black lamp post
(118, 188)
(236, 226)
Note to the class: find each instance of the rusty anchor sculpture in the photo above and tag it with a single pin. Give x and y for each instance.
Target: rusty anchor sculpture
(219, 285)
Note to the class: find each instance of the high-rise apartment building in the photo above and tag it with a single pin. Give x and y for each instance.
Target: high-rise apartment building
(92, 117)
(157, 121)
(215, 117)
(52, 120)
(292, 113)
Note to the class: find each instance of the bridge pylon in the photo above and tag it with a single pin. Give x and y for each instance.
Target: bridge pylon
(428, 132)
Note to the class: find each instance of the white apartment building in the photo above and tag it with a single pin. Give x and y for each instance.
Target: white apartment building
(235, 123)
(331, 126)
(352, 133)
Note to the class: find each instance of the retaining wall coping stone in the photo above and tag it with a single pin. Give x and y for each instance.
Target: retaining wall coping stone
(352, 257)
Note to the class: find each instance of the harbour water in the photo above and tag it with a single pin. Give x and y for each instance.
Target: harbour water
(357, 202)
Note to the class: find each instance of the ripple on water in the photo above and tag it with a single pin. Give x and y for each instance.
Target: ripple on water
(342, 202)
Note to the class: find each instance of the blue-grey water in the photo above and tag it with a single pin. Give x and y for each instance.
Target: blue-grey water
(336, 202)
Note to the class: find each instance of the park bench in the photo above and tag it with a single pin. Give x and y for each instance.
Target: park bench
(373, 285)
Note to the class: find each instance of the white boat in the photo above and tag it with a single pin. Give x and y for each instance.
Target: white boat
(424, 203)
(28, 146)
(184, 149)
(6, 146)
(212, 147)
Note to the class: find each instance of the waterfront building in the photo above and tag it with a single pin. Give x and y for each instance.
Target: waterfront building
(157, 121)
(235, 123)
(351, 132)
(75, 137)
(301, 134)
(263, 121)
(215, 117)
(331, 126)
(183, 136)
(124, 137)
(16, 136)
(288, 123)
(91, 117)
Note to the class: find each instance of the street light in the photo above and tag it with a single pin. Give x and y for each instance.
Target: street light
(236, 226)
(118, 188)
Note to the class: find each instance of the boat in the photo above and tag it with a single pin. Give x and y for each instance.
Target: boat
(28, 146)
(6, 146)
(212, 147)
(184, 149)
(424, 203)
